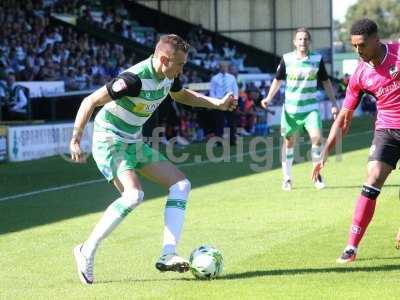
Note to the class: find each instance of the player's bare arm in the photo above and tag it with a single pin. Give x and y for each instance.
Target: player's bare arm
(97, 98)
(192, 98)
(126, 84)
(339, 128)
(276, 84)
(327, 84)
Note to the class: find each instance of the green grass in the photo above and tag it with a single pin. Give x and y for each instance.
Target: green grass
(276, 245)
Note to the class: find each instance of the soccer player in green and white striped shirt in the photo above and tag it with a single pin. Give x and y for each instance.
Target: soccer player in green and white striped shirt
(128, 102)
(301, 69)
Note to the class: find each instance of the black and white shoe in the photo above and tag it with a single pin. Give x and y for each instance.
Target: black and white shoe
(85, 265)
(172, 262)
(287, 185)
(319, 183)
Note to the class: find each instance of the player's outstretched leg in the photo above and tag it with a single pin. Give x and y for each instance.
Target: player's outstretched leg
(378, 171)
(112, 217)
(363, 213)
(173, 222)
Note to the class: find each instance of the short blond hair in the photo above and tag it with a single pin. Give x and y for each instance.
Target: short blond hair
(174, 41)
(302, 29)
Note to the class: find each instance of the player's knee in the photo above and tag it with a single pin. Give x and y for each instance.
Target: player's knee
(376, 178)
(181, 189)
(316, 142)
(369, 191)
(132, 198)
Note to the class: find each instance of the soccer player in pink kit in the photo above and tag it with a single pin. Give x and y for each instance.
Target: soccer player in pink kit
(378, 73)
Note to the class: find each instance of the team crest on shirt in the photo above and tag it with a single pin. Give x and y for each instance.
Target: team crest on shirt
(394, 72)
(119, 85)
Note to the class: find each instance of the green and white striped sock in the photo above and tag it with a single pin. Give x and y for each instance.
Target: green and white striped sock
(111, 218)
(287, 163)
(174, 215)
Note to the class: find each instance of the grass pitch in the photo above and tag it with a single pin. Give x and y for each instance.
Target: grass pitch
(276, 245)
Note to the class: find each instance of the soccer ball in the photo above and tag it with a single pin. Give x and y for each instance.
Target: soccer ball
(206, 262)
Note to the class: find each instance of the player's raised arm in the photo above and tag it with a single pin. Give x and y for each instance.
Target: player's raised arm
(192, 98)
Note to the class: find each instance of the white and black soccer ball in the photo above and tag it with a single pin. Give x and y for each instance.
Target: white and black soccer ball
(206, 262)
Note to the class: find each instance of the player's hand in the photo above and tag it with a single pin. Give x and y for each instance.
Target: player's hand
(334, 111)
(264, 103)
(77, 155)
(397, 245)
(228, 103)
(317, 169)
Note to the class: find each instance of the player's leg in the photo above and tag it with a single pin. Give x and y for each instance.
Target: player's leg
(313, 125)
(316, 145)
(131, 197)
(289, 127)
(167, 175)
(365, 207)
(397, 244)
(384, 154)
(287, 161)
(116, 163)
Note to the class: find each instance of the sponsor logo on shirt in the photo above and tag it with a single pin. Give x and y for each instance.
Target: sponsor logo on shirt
(387, 89)
(145, 108)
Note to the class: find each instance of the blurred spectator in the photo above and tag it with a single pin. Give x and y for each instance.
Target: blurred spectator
(228, 52)
(14, 98)
(221, 84)
(129, 33)
(368, 104)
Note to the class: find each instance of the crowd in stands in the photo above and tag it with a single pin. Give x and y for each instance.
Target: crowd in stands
(35, 50)
(204, 52)
(32, 48)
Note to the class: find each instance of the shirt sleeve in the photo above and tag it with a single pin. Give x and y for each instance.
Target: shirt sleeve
(322, 74)
(353, 93)
(125, 84)
(281, 70)
(176, 85)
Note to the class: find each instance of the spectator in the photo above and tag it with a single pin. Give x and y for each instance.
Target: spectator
(15, 99)
(221, 84)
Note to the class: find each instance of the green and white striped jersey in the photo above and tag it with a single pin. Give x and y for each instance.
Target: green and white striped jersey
(301, 81)
(123, 119)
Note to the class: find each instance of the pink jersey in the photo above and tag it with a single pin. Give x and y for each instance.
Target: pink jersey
(382, 82)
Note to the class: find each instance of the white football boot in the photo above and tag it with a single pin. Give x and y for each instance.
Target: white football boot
(172, 262)
(85, 265)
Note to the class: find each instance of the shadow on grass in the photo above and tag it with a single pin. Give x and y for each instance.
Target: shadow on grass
(336, 187)
(279, 272)
(285, 272)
